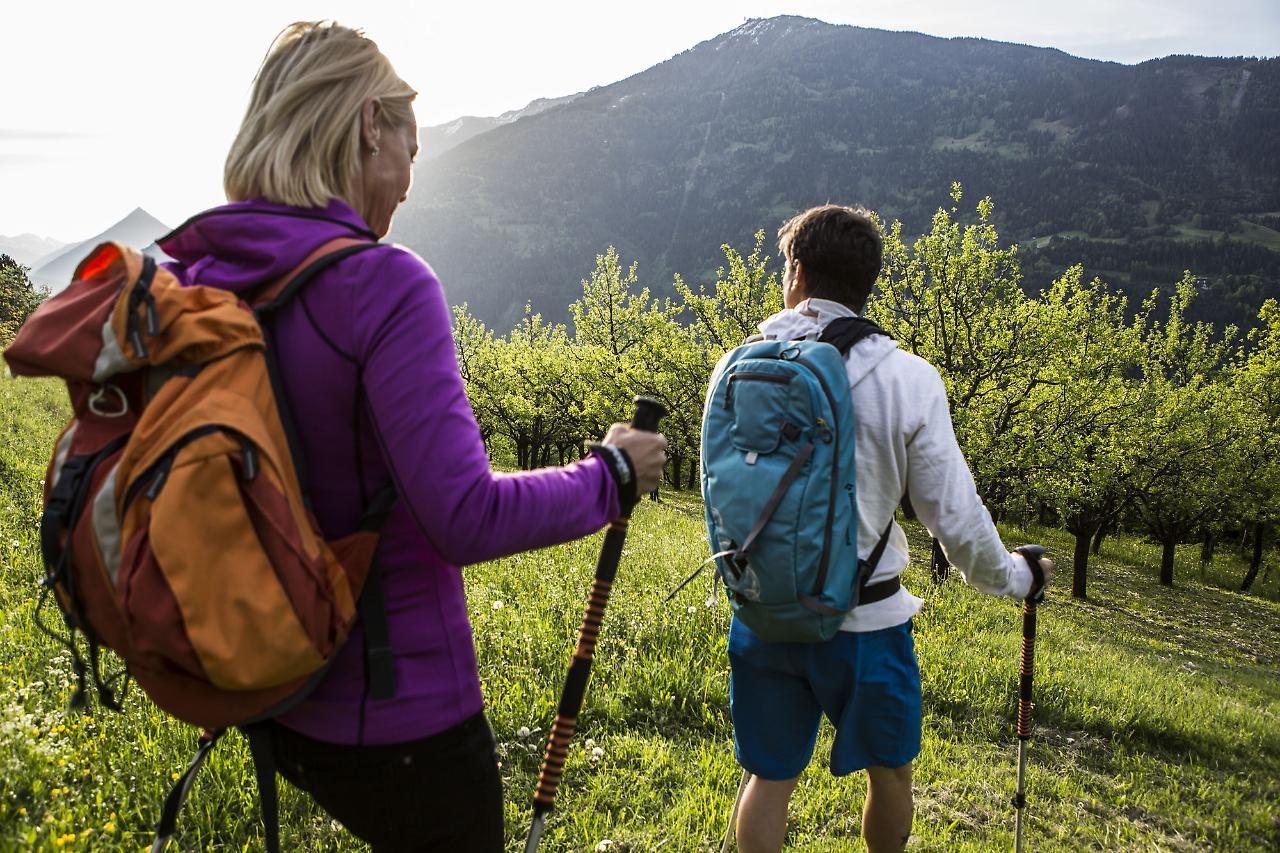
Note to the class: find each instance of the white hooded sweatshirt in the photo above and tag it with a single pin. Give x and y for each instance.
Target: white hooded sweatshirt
(906, 443)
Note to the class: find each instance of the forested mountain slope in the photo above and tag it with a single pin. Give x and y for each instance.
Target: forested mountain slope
(1141, 171)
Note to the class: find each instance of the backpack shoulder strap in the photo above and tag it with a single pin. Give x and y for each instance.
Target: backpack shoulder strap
(270, 297)
(844, 332)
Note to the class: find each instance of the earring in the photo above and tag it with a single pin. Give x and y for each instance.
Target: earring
(374, 152)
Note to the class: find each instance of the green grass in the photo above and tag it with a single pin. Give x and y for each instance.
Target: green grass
(1157, 726)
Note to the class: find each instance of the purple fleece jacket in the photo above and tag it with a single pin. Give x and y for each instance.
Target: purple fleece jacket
(382, 323)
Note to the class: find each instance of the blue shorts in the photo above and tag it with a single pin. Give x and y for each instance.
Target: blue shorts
(867, 684)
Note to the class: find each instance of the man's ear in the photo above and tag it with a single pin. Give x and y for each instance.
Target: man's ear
(798, 283)
(371, 123)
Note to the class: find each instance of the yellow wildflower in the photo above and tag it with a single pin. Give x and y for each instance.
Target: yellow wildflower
(109, 827)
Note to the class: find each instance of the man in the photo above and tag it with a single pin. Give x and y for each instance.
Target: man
(866, 679)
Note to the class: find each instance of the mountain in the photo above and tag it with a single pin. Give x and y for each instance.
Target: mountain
(1137, 170)
(28, 248)
(434, 141)
(139, 229)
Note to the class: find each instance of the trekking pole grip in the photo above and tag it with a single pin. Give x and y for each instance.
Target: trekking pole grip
(1026, 671)
(648, 412)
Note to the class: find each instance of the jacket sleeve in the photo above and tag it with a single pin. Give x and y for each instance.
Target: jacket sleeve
(429, 435)
(946, 500)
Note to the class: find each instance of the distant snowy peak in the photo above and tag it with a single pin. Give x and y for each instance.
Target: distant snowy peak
(755, 29)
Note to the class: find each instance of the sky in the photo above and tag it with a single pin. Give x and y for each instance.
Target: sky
(105, 107)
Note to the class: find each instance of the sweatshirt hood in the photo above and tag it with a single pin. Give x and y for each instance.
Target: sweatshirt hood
(810, 317)
(241, 245)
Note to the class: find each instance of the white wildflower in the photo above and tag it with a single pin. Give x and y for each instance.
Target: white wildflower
(498, 605)
(523, 732)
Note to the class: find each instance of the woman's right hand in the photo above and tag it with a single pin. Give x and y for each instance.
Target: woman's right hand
(646, 450)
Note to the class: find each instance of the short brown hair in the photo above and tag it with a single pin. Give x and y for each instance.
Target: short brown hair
(840, 249)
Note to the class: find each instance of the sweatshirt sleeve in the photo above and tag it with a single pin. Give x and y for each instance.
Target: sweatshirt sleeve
(946, 500)
(429, 435)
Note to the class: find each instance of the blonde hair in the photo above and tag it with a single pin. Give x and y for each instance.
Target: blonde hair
(299, 143)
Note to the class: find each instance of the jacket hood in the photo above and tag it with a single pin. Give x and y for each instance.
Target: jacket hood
(810, 317)
(240, 245)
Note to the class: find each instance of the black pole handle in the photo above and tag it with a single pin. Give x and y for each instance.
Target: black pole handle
(1033, 553)
(648, 412)
(1027, 668)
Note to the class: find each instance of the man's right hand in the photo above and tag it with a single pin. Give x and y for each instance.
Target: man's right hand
(1046, 566)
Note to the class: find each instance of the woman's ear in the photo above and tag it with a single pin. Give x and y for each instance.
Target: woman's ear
(371, 124)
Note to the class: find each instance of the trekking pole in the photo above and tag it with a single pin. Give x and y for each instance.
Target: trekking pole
(648, 413)
(733, 812)
(1026, 673)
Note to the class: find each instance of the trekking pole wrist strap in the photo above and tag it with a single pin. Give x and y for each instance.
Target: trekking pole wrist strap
(1031, 553)
(620, 466)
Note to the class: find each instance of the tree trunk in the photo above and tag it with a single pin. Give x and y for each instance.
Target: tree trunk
(693, 471)
(939, 566)
(677, 469)
(1256, 562)
(1166, 562)
(1206, 550)
(1096, 548)
(1080, 564)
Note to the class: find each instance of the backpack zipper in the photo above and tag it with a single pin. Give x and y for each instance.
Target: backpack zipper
(835, 471)
(751, 376)
(153, 479)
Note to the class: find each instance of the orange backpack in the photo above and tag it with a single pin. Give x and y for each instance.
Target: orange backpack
(176, 530)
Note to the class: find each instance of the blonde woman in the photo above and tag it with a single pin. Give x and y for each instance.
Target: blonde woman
(370, 377)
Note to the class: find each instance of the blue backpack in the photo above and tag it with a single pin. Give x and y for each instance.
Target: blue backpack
(779, 484)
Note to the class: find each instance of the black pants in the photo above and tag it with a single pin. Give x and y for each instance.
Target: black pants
(441, 793)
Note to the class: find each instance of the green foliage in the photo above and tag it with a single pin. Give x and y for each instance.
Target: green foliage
(1069, 404)
(18, 297)
(540, 394)
(954, 298)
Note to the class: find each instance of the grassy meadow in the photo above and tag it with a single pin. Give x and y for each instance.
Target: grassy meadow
(1157, 724)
